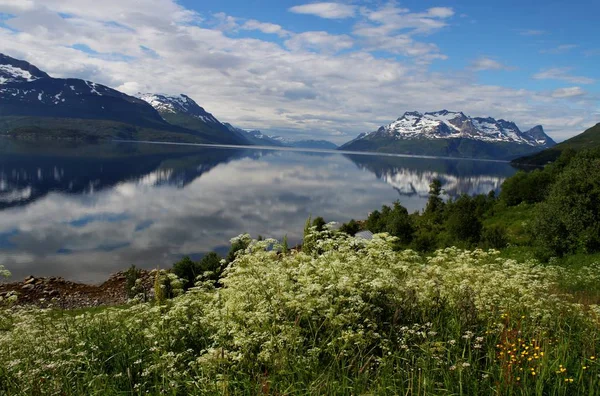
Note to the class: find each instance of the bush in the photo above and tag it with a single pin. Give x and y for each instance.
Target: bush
(187, 270)
(530, 187)
(462, 223)
(569, 220)
(133, 285)
(350, 228)
(494, 237)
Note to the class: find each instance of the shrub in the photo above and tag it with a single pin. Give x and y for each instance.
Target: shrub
(569, 220)
(187, 270)
(133, 285)
(494, 237)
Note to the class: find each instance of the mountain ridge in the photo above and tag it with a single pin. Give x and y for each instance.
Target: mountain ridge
(451, 133)
(588, 139)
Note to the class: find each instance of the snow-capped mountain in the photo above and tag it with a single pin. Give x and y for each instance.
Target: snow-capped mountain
(183, 111)
(32, 104)
(25, 90)
(174, 104)
(443, 132)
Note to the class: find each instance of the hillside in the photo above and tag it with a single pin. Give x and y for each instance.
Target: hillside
(588, 139)
(35, 105)
(183, 111)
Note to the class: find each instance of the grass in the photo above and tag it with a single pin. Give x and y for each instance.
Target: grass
(347, 317)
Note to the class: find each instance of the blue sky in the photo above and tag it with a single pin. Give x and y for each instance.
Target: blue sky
(328, 69)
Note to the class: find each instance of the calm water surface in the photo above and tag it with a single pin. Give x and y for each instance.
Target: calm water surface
(86, 211)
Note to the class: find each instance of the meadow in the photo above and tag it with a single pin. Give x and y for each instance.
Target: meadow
(343, 316)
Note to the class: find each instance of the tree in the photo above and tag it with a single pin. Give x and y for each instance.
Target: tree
(569, 220)
(284, 245)
(319, 224)
(187, 270)
(399, 224)
(435, 202)
(462, 223)
(351, 227)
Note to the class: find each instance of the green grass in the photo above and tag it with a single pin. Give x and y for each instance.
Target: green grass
(515, 219)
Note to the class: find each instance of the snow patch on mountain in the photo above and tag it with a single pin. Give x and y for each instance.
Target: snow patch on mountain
(10, 73)
(178, 104)
(446, 124)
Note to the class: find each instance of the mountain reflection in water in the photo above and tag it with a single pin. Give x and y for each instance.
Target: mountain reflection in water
(85, 211)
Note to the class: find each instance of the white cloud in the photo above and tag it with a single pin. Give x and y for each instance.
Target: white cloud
(16, 5)
(485, 63)
(319, 41)
(562, 74)
(569, 92)
(440, 12)
(392, 29)
(269, 28)
(560, 49)
(326, 10)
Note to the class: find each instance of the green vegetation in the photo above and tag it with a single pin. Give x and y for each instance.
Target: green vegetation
(74, 129)
(549, 212)
(350, 317)
(586, 140)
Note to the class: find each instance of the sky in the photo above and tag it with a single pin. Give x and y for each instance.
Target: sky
(328, 70)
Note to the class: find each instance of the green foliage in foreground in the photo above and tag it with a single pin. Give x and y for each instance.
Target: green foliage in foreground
(350, 317)
(554, 212)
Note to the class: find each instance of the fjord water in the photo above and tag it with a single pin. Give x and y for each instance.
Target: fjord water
(85, 211)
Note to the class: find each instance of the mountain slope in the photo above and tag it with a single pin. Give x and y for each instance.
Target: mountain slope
(183, 111)
(35, 105)
(27, 91)
(588, 139)
(254, 137)
(446, 133)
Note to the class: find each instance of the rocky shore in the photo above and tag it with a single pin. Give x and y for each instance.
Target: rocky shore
(60, 293)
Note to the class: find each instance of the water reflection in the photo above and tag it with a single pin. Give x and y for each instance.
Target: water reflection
(83, 212)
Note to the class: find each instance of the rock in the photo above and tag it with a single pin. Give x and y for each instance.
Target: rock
(29, 280)
(28, 286)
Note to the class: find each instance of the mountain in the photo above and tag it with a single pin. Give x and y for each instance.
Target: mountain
(183, 111)
(34, 105)
(586, 140)
(258, 138)
(453, 134)
(254, 136)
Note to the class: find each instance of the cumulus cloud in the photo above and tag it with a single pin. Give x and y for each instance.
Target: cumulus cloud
(319, 41)
(326, 10)
(485, 63)
(269, 28)
(562, 74)
(569, 92)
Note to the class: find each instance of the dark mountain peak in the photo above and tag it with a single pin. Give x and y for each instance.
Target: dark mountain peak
(411, 114)
(15, 70)
(537, 134)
